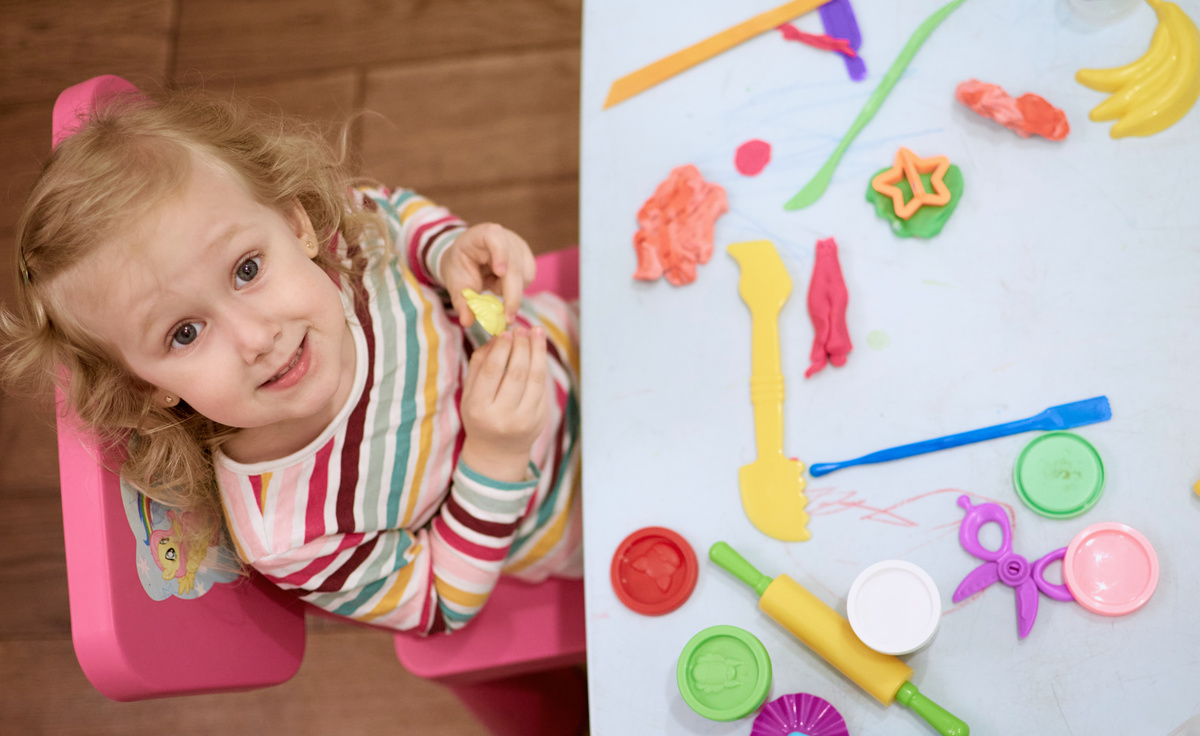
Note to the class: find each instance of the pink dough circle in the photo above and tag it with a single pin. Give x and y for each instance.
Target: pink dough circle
(752, 157)
(1111, 569)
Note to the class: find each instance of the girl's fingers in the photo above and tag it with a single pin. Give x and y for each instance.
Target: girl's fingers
(492, 366)
(515, 379)
(459, 302)
(495, 242)
(530, 267)
(535, 392)
(515, 279)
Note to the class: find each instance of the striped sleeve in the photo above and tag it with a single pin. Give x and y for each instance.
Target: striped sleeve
(421, 230)
(432, 579)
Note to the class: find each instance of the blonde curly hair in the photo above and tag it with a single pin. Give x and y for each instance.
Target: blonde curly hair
(131, 153)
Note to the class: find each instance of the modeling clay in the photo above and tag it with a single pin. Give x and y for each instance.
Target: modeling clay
(928, 221)
(752, 157)
(813, 190)
(676, 227)
(667, 67)
(488, 309)
(1154, 92)
(1025, 115)
(837, 17)
(908, 168)
(817, 40)
(827, 299)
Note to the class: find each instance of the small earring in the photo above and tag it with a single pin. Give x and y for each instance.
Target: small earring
(310, 248)
(169, 400)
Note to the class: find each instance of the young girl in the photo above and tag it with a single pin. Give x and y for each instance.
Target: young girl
(292, 359)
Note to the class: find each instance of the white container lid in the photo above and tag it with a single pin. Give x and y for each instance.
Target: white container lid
(894, 607)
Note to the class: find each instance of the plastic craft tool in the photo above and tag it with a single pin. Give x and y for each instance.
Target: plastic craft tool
(813, 190)
(1111, 569)
(773, 485)
(1059, 475)
(1005, 566)
(894, 607)
(1065, 416)
(724, 673)
(654, 571)
(909, 166)
(828, 634)
(799, 713)
(667, 67)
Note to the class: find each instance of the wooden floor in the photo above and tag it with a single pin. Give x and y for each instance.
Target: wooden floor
(473, 102)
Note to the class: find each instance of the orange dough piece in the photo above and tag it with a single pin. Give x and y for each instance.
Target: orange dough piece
(676, 226)
(1025, 115)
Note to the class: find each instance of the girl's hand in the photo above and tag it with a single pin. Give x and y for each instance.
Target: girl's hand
(504, 404)
(487, 257)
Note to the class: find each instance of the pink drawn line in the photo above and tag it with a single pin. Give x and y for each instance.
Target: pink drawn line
(830, 501)
(818, 40)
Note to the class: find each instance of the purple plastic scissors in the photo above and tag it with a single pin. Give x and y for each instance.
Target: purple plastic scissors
(1004, 565)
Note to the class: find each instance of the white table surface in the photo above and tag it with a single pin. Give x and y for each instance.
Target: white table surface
(1070, 270)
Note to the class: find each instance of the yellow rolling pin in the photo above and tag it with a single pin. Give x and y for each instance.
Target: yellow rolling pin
(829, 635)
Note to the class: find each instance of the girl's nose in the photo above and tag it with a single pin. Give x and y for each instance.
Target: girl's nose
(255, 334)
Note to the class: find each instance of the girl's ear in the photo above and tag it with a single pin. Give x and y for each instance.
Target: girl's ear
(301, 226)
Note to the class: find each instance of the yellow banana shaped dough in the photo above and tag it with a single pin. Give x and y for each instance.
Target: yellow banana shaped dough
(488, 309)
(1154, 92)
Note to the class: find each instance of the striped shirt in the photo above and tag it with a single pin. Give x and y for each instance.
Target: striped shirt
(377, 519)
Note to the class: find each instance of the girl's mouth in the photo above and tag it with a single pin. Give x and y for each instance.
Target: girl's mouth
(293, 371)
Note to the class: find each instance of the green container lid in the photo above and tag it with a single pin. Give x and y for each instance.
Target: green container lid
(1059, 475)
(724, 673)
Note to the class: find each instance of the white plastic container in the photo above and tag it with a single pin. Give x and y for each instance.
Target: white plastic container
(894, 607)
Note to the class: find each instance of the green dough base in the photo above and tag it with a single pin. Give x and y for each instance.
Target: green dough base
(927, 221)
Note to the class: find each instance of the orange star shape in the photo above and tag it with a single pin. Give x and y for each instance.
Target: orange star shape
(910, 168)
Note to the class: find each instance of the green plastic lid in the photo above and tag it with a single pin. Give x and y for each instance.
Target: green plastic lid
(1059, 475)
(724, 673)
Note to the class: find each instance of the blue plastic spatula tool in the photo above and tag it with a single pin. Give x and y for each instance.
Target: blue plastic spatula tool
(1066, 416)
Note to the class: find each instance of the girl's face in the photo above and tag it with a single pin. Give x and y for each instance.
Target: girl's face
(213, 300)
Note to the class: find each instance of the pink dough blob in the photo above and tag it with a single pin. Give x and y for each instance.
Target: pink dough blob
(752, 157)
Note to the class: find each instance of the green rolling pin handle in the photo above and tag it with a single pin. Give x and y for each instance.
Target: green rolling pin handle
(728, 558)
(942, 720)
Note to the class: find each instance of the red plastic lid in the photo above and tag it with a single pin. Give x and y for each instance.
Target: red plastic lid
(654, 571)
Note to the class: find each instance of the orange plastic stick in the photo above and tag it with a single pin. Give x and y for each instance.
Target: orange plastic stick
(667, 67)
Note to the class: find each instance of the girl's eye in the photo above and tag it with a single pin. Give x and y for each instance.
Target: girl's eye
(247, 270)
(185, 334)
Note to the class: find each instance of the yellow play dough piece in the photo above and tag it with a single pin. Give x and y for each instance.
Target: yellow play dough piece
(667, 67)
(488, 309)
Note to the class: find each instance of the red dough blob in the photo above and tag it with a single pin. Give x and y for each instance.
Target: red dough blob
(1026, 115)
(827, 300)
(676, 227)
(752, 157)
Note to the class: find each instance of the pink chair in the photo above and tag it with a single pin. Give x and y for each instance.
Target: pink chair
(513, 666)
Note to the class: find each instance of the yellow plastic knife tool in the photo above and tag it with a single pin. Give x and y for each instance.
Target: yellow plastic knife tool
(773, 485)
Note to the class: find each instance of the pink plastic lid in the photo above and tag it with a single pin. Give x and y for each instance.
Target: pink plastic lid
(1111, 569)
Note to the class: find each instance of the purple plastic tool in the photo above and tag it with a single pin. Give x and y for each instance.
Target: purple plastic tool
(837, 16)
(1004, 565)
(799, 713)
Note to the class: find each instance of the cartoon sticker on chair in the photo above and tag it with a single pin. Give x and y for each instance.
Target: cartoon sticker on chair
(166, 566)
